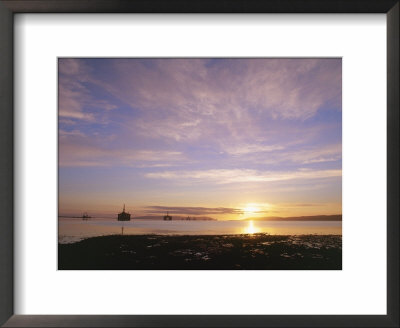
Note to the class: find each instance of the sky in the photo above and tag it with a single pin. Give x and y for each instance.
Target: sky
(221, 138)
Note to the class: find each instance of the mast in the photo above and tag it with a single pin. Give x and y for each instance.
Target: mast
(124, 208)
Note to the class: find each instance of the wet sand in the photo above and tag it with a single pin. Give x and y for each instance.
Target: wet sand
(222, 252)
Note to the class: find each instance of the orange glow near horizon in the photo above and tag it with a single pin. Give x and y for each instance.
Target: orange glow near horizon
(241, 211)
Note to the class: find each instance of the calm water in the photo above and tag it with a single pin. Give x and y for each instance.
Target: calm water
(75, 229)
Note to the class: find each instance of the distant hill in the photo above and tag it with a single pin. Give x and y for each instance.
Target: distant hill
(337, 217)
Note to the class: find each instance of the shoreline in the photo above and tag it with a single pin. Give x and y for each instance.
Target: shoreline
(67, 240)
(257, 251)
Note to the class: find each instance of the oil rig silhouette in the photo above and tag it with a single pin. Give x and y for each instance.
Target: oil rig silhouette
(85, 216)
(167, 217)
(124, 216)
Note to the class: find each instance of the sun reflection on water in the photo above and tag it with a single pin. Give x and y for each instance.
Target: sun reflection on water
(250, 229)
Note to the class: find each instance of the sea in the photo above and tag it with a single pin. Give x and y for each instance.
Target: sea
(71, 230)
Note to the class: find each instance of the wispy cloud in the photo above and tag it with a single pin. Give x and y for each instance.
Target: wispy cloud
(75, 150)
(86, 156)
(251, 148)
(300, 155)
(222, 176)
(217, 97)
(74, 95)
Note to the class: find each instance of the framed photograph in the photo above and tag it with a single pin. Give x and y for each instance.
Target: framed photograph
(199, 164)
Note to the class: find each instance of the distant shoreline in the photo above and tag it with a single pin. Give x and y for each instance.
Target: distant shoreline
(336, 217)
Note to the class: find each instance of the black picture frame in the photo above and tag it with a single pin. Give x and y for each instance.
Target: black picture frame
(10, 7)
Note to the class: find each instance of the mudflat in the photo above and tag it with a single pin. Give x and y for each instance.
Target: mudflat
(203, 252)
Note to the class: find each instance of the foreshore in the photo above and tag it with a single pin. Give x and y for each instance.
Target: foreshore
(203, 252)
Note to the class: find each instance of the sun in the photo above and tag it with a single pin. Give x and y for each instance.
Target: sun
(251, 209)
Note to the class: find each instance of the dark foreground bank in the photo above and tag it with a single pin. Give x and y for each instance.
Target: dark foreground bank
(156, 252)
